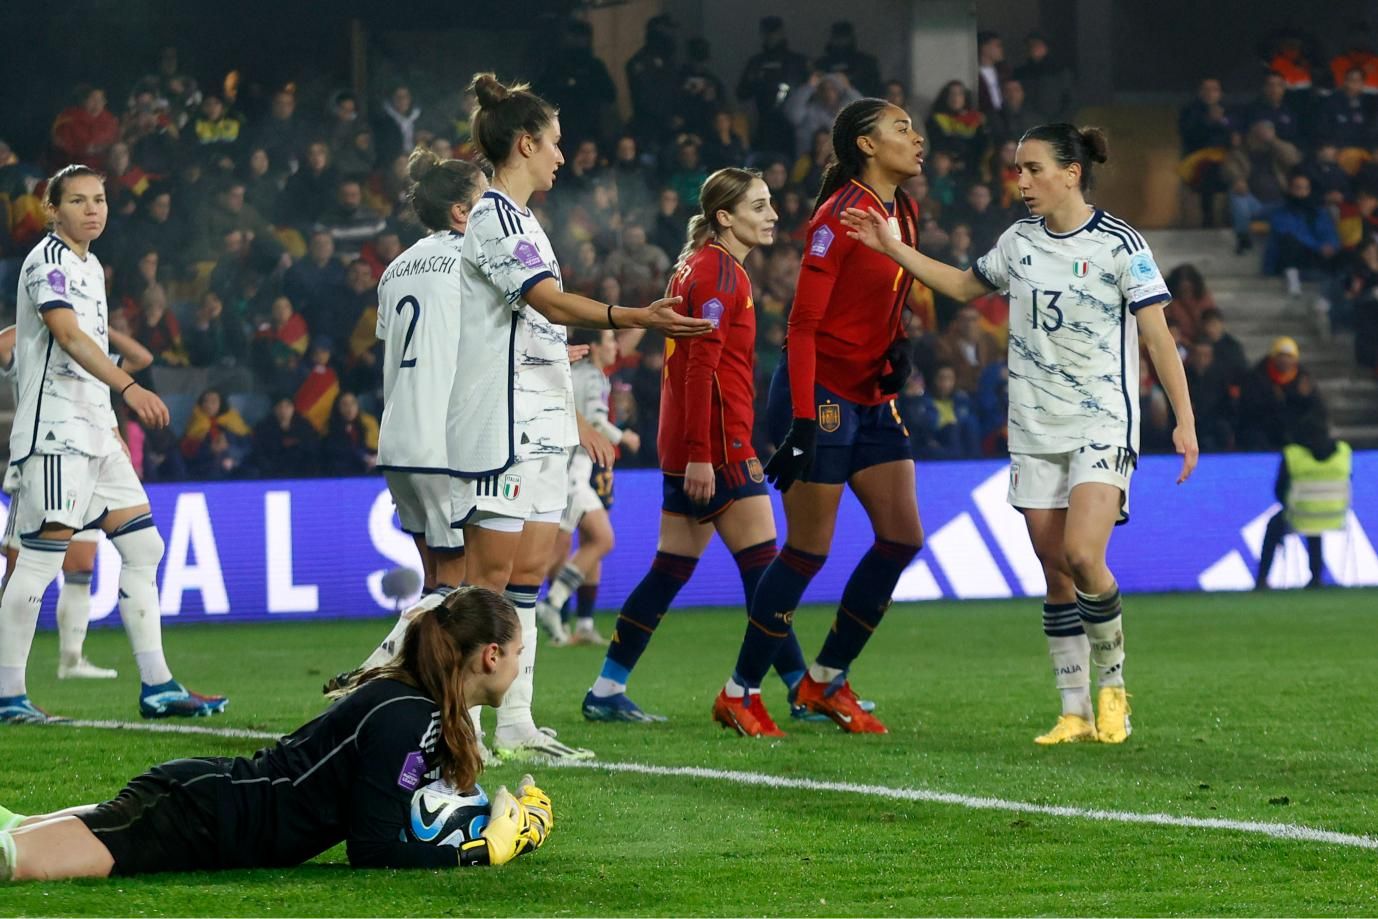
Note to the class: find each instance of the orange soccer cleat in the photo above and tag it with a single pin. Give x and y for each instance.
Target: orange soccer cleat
(838, 702)
(747, 715)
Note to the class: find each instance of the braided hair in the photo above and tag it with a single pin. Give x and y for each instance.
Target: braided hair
(858, 119)
(855, 120)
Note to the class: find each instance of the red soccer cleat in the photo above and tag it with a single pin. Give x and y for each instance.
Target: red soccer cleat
(747, 715)
(838, 702)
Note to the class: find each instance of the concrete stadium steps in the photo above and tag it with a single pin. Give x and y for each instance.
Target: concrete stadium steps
(1258, 309)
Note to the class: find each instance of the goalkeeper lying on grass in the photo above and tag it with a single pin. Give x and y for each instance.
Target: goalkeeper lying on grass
(349, 775)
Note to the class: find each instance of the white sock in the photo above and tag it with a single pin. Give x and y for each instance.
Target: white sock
(140, 551)
(1104, 625)
(34, 570)
(390, 646)
(821, 674)
(153, 668)
(514, 714)
(1293, 277)
(9, 856)
(1107, 651)
(73, 616)
(735, 690)
(604, 687)
(565, 584)
(1071, 655)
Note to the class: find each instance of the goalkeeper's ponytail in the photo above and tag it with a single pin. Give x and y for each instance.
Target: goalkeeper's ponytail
(434, 656)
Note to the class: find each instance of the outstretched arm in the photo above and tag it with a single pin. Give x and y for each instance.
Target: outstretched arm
(565, 308)
(871, 229)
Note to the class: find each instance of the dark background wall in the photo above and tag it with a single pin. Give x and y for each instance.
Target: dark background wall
(1125, 49)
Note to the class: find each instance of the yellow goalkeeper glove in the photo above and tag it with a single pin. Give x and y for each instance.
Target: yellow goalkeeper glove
(515, 826)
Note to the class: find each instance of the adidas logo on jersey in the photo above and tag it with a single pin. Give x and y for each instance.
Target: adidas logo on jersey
(1101, 464)
(1026, 260)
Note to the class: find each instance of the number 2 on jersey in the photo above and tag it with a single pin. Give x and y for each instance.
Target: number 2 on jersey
(1050, 307)
(411, 327)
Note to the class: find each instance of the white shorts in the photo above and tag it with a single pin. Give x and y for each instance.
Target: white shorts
(8, 542)
(1045, 480)
(422, 500)
(74, 491)
(534, 490)
(583, 498)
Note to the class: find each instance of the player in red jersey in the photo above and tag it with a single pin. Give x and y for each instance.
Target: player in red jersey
(830, 410)
(713, 480)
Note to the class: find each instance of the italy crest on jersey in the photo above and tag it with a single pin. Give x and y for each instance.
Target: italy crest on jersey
(511, 486)
(1081, 267)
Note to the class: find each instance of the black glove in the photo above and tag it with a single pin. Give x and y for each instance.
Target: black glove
(893, 380)
(794, 459)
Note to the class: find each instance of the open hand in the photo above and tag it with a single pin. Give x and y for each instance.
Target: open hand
(868, 227)
(662, 316)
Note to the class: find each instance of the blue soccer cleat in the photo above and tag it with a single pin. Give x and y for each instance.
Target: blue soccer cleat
(19, 710)
(172, 700)
(804, 713)
(615, 708)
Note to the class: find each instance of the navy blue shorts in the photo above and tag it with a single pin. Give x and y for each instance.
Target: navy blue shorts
(601, 480)
(851, 437)
(733, 482)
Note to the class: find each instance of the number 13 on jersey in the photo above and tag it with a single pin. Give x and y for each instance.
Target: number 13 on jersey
(1052, 313)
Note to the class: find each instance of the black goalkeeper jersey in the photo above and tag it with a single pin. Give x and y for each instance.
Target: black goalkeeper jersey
(348, 776)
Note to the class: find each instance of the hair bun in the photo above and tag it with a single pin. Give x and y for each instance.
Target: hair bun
(487, 88)
(421, 161)
(1097, 146)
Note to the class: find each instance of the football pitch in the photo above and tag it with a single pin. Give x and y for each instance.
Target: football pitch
(1249, 786)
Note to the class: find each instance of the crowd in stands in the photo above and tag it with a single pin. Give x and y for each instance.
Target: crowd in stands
(1299, 161)
(1238, 405)
(245, 246)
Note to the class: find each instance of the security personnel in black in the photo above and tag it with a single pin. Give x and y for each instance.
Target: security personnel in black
(766, 81)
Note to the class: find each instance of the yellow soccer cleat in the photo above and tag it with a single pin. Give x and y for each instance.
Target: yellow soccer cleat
(1069, 729)
(1112, 714)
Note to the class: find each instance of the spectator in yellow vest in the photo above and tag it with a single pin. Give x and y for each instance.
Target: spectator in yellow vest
(1313, 486)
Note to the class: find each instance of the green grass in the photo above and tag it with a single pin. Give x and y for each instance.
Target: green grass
(1247, 707)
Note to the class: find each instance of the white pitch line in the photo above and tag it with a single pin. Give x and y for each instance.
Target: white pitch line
(1289, 831)
(160, 728)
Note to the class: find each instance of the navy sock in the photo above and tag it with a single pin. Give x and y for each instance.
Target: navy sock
(587, 595)
(752, 563)
(771, 622)
(642, 612)
(1061, 620)
(864, 601)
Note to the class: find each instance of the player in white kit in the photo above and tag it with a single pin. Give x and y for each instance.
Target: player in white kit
(1076, 276)
(419, 325)
(74, 472)
(78, 565)
(513, 420)
(590, 497)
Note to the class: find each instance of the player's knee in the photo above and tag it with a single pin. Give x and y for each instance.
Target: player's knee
(138, 542)
(1082, 561)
